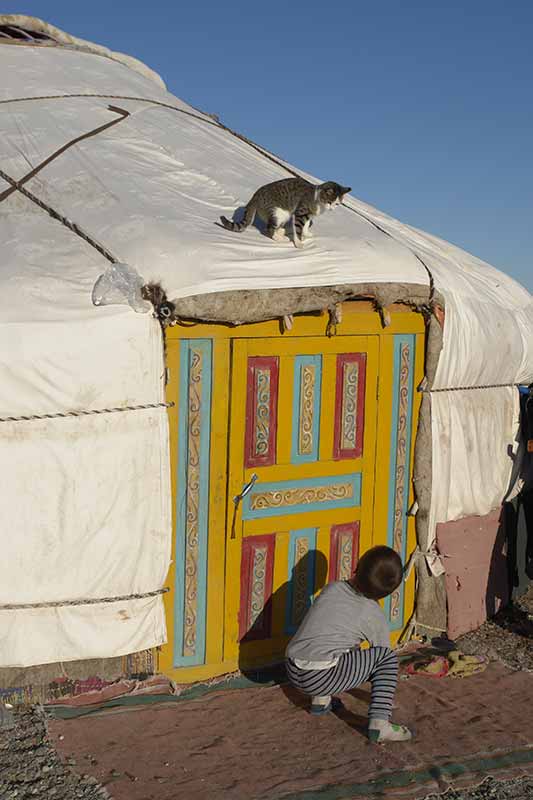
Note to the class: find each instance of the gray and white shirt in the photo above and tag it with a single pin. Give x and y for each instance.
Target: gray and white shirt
(339, 619)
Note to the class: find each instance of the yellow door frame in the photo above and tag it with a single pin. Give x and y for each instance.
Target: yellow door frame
(359, 319)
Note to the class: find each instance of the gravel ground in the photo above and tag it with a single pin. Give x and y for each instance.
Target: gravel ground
(491, 789)
(507, 637)
(30, 768)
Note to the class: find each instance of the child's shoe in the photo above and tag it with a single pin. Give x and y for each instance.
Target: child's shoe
(381, 730)
(324, 704)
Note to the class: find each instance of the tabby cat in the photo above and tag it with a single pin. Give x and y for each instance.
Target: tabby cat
(292, 200)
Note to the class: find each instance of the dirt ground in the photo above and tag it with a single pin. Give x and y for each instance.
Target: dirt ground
(260, 743)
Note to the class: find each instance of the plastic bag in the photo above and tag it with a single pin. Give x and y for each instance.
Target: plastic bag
(121, 285)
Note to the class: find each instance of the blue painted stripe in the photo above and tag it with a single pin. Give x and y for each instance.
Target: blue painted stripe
(187, 350)
(399, 341)
(353, 478)
(299, 362)
(310, 535)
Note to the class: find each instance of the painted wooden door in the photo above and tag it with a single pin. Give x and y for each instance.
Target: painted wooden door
(302, 446)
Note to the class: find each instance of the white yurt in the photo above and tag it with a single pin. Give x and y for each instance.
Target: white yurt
(185, 466)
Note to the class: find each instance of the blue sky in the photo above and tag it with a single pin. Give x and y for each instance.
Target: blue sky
(424, 108)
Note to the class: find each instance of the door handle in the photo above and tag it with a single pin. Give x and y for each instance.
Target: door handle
(237, 499)
(245, 489)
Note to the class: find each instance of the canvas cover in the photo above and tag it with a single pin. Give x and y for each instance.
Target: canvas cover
(86, 500)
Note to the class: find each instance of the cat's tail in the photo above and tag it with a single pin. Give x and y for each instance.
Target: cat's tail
(238, 227)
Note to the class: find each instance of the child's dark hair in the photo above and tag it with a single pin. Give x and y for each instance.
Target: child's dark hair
(378, 573)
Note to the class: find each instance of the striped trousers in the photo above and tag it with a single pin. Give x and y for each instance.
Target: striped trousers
(379, 665)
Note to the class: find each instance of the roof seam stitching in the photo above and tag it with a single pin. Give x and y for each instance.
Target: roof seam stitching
(123, 114)
(72, 226)
(217, 124)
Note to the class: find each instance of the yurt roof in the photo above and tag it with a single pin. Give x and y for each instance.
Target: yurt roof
(151, 189)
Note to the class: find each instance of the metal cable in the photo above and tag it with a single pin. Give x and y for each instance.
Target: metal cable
(65, 414)
(89, 601)
(469, 388)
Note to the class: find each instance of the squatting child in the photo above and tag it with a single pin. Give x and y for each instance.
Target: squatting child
(324, 658)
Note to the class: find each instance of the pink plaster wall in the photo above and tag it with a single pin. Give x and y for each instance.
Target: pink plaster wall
(475, 556)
